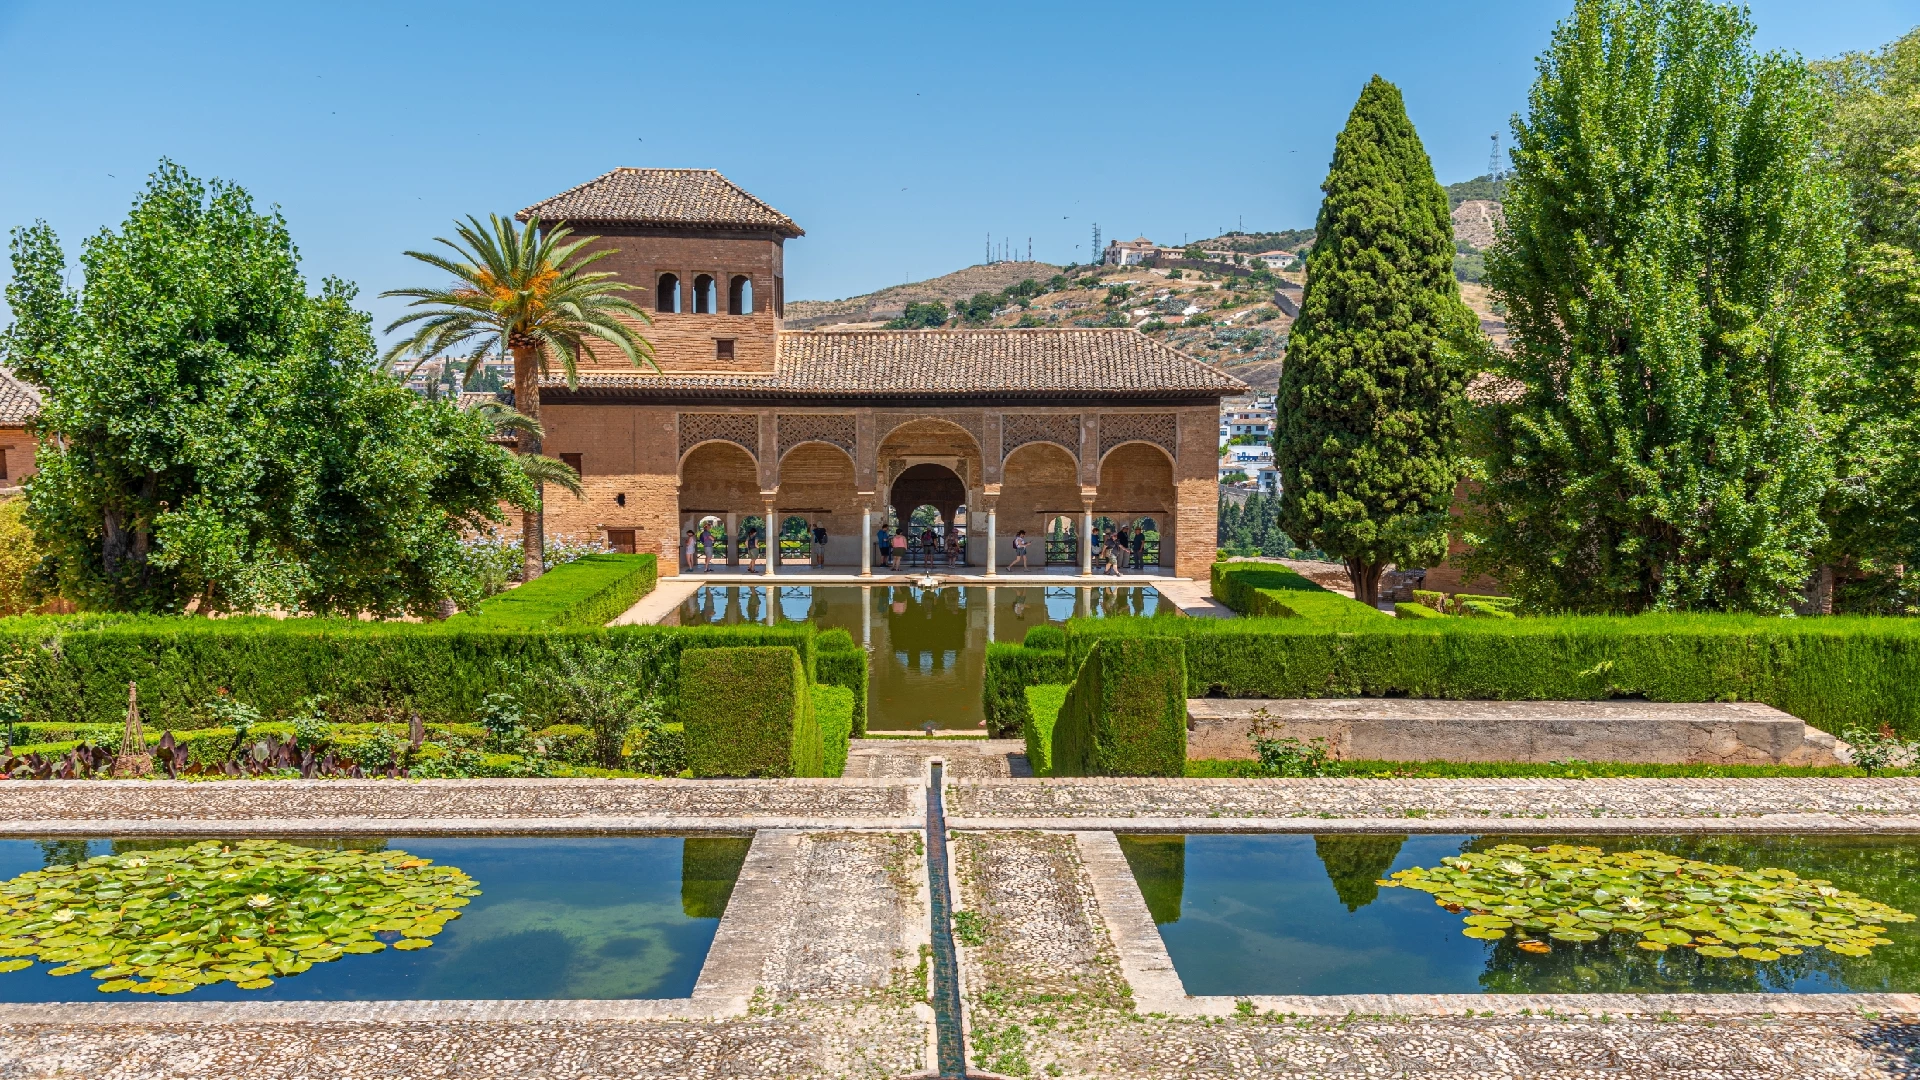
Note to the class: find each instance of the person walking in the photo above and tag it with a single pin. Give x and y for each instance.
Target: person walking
(1019, 551)
(880, 546)
(752, 542)
(1109, 551)
(687, 551)
(1120, 539)
(706, 547)
(899, 548)
(820, 546)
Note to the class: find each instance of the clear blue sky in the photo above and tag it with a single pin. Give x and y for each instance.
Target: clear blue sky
(897, 135)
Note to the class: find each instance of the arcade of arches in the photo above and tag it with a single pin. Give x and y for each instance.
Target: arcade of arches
(848, 471)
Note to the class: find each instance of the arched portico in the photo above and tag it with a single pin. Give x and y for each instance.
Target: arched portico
(1136, 481)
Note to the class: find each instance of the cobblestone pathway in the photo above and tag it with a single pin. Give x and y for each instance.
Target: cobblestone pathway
(967, 759)
(1044, 995)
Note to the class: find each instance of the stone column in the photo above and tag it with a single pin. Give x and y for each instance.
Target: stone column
(993, 552)
(1086, 539)
(773, 540)
(733, 540)
(866, 541)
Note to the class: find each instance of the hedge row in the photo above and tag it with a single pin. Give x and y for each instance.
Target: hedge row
(1126, 712)
(833, 708)
(1833, 672)
(79, 672)
(750, 712)
(840, 662)
(1255, 589)
(1043, 711)
(589, 591)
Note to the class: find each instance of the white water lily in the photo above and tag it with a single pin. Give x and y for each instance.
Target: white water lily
(259, 900)
(1633, 903)
(1512, 867)
(64, 915)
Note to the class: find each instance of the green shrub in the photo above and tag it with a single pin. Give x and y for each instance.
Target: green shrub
(1480, 609)
(1417, 611)
(1043, 711)
(749, 712)
(1254, 589)
(833, 706)
(589, 591)
(569, 743)
(1126, 713)
(1010, 669)
(1046, 636)
(838, 661)
(1435, 600)
(1832, 672)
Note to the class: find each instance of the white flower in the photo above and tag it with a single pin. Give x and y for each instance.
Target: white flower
(64, 915)
(259, 900)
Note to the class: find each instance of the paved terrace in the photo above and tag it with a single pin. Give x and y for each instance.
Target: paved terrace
(816, 970)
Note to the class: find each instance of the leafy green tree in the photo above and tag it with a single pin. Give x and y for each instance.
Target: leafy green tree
(921, 316)
(1376, 364)
(1873, 139)
(1670, 269)
(527, 293)
(213, 433)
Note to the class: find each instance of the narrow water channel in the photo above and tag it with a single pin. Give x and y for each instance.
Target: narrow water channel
(927, 645)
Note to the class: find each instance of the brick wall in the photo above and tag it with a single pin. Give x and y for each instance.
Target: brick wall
(686, 341)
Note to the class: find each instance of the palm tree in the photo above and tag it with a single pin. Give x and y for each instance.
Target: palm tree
(527, 294)
(538, 468)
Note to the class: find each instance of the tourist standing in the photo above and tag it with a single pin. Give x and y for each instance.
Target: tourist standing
(820, 546)
(753, 548)
(880, 544)
(706, 547)
(687, 548)
(1120, 539)
(1019, 551)
(1139, 547)
(899, 548)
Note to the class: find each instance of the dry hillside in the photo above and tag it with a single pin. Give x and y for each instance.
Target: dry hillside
(889, 302)
(1475, 221)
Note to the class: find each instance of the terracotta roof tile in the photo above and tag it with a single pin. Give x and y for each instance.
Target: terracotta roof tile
(667, 197)
(937, 363)
(19, 402)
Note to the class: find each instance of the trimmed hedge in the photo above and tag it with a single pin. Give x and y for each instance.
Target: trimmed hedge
(1126, 713)
(1833, 672)
(1043, 711)
(833, 707)
(840, 662)
(1010, 669)
(589, 591)
(1417, 611)
(79, 672)
(749, 712)
(1254, 589)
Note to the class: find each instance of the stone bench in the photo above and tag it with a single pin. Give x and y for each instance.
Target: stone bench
(1407, 729)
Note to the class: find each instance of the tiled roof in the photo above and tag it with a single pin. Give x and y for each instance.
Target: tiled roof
(19, 402)
(668, 197)
(953, 363)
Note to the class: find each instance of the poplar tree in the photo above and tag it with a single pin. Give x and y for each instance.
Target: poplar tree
(1669, 269)
(1376, 363)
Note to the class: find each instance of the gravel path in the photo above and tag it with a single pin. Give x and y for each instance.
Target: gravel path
(967, 759)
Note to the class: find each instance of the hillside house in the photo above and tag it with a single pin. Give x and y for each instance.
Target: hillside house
(748, 419)
(1128, 252)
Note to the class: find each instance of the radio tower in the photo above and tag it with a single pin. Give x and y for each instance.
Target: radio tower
(1097, 254)
(1493, 159)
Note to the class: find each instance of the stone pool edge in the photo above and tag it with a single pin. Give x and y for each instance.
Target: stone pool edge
(1148, 969)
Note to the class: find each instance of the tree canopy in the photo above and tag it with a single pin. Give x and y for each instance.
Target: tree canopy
(212, 432)
(1377, 361)
(1670, 270)
(1872, 137)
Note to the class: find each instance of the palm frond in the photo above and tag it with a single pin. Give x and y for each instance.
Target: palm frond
(545, 470)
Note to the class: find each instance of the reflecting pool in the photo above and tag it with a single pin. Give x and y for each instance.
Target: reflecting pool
(927, 646)
(600, 917)
(1294, 914)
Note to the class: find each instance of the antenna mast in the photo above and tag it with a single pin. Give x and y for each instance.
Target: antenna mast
(1098, 255)
(1493, 159)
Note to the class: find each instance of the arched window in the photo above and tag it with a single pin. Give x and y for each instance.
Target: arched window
(740, 295)
(703, 294)
(668, 302)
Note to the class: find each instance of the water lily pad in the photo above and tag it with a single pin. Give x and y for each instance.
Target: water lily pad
(164, 922)
(409, 944)
(1578, 894)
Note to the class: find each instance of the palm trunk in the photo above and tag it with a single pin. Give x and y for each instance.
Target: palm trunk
(1366, 580)
(526, 399)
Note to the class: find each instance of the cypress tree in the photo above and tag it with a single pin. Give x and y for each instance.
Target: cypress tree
(1376, 363)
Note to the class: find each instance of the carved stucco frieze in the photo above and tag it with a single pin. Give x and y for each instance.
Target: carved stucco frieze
(1160, 429)
(834, 429)
(741, 429)
(1019, 429)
